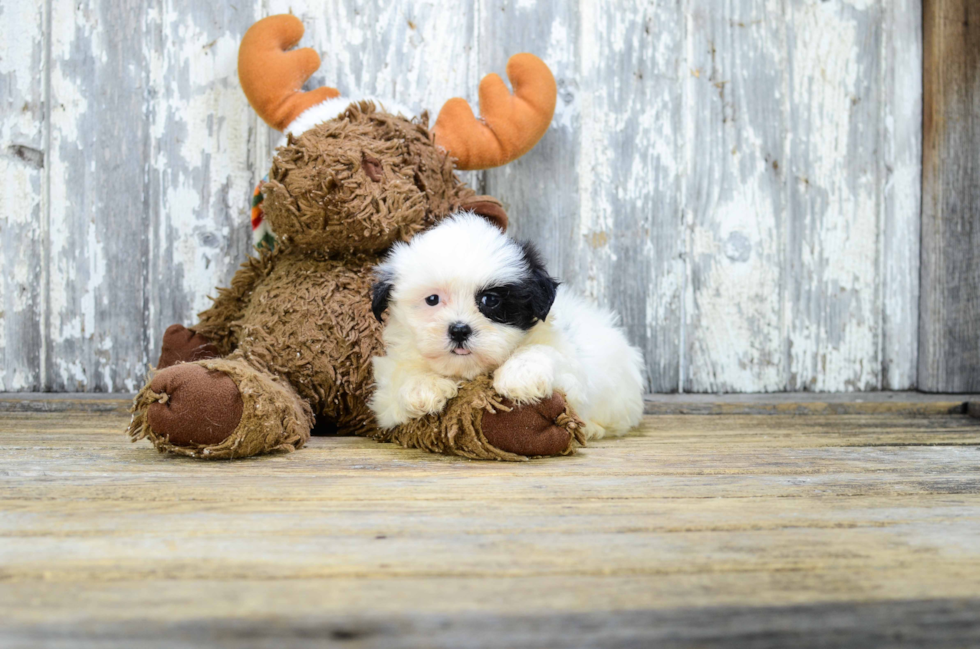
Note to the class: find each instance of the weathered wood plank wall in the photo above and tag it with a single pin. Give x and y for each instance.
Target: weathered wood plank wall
(739, 179)
(949, 327)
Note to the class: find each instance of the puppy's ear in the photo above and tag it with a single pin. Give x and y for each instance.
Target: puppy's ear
(543, 296)
(542, 286)
(489, 208)
(380, 293)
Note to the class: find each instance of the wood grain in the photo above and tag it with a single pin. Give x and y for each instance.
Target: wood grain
(949, 330)
(698, 529)
(900, 142)
(739, 181)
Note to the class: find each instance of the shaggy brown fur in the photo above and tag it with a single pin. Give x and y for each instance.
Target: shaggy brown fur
(295, 327)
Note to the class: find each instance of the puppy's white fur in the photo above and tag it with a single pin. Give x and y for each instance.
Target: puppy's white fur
(577, 348)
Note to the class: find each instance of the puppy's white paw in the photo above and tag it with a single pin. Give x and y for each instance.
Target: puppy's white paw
(427, 394)
(525, 379)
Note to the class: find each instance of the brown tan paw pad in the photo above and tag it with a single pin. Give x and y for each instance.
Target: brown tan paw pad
(196, 406)
(528, 430)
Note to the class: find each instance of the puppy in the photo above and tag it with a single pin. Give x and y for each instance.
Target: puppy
(465, 300)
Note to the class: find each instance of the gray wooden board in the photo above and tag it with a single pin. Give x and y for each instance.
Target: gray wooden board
(949, 329)
(938, 624)
(739, 180)
(735, 199)
(96, 163)
(833, 231)
(901, 146)
(22, 160)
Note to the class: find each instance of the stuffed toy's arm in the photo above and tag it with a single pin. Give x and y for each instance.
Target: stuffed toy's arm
(217, 324)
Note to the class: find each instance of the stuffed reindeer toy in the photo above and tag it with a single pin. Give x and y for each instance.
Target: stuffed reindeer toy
(290, 342)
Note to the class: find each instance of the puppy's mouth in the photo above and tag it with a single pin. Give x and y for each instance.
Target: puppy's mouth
(459, 350)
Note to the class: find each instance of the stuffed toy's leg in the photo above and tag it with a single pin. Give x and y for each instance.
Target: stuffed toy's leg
(219, 409)
(481, 425)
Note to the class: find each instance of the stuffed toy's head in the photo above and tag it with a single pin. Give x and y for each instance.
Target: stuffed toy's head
(353, 178)
(358, 182)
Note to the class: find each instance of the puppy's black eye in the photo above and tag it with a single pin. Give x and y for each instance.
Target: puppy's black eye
(432, 300)
(489, 301)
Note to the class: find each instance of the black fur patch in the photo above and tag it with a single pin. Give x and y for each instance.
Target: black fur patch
(521, 304)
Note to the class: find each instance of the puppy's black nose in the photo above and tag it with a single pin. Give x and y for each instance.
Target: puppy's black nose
(459, 332)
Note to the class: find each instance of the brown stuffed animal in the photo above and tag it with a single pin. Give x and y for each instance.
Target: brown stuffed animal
(291, 340)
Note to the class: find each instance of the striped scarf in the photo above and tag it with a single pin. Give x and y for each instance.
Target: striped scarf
(262, 235)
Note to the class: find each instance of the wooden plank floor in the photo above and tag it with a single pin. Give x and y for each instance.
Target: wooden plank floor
(750, 530)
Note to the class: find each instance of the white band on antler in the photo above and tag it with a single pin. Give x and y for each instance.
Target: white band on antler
(331, 108)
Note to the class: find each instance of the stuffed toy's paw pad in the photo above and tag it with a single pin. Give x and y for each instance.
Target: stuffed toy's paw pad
(183, 345)
(197, 406)
(529, 430)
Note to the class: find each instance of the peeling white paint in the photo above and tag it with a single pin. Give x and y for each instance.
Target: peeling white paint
(203, 162)
(21, 148)
(835, 205)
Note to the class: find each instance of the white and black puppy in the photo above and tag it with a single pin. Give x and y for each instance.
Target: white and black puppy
(464, 300)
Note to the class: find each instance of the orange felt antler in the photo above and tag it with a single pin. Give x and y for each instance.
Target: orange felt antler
(509, 125)
(273, 77)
